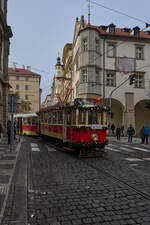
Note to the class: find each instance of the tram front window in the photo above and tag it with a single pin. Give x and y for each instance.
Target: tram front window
(93, 117)
(34, 120)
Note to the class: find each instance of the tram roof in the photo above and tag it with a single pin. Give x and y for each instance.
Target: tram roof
(73, 105)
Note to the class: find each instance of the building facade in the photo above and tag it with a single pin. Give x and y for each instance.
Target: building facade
(5, 35)
(26, 84)
(102, 58)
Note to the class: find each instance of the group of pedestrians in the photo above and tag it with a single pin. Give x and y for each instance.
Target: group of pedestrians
(119, 131)
(144, 134)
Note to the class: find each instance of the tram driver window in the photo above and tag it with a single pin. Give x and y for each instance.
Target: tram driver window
(60, 117)
(92, 117)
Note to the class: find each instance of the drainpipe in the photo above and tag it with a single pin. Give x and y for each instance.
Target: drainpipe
(104, 68)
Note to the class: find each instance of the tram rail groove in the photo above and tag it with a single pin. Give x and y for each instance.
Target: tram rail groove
(105, 172)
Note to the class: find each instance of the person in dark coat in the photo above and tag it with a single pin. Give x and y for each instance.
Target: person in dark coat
(142, 135)
(118, 132)
(1, 130)
(9, 131)
(122, 130)
(146, 134)
(113, 128)
(130, 133)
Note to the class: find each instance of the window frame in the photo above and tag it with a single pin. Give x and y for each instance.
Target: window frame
(137, 54)
(110, 72)
(26, 97)
(26, 87)
(139, 81)
(113, 49)
(84, 76)
(17, 87)
(84, 44)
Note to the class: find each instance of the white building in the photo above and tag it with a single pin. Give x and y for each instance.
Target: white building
(99, 60)
(103, 58)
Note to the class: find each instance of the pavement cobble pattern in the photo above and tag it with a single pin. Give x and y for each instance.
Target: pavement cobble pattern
(63, 190)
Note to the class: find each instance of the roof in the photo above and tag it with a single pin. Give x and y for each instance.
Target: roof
(21, 71)
(124, 32)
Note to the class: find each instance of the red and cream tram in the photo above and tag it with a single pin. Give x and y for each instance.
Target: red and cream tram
(79, 125)
(28, 124)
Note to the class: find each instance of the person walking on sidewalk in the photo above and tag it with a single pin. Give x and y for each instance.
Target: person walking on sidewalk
(1, 130)
(130, 133)
(113, 129)
(146, 134)
(122, 130)
(142, 135)
(118, 131)
(9, 131)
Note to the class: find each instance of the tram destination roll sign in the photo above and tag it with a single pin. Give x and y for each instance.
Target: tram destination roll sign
(12, 103)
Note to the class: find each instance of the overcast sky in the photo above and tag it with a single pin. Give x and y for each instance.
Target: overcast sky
(41, 28)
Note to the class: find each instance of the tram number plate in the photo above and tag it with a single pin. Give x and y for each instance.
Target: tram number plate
(96, 126)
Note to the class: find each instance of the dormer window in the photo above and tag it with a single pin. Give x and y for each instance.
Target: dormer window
(111, 28)
(136, 31)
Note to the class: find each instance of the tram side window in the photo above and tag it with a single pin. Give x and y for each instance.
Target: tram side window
(73, 117)
(60, 117)
(49, 117)
(68, 114)
(34, 120)
(45, 117)
(82, 117)
(42, 117)
(25, 120)
(92, 117)
(54, 117)
(104, 118)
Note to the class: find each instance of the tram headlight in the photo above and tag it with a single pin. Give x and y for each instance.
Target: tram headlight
(94, 137)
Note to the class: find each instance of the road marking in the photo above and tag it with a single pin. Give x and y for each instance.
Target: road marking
(133, 159)
(34, 147)
(126, 149)
(148, 159)
(141, 149)
(109, 148)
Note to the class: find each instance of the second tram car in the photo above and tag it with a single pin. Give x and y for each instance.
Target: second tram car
(79, 125)
(28, 124)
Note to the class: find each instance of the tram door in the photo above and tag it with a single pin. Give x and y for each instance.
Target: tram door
(64, 126)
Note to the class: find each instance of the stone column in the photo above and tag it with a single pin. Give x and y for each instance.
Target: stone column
(129, 114)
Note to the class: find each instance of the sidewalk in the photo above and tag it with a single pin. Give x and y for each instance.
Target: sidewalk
(135, 140)
(8, 161)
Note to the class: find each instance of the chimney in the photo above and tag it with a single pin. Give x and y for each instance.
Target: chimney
(28, 67)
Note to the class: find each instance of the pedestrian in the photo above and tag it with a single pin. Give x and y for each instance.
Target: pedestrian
(122, 130)
(9, 131)
(146, 134)
(142, 135)
(1, 130)
(130, 133)
(118, 132)
(113, 129)
(14, 130)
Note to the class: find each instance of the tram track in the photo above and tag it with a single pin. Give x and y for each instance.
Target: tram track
(41, 191)
(106, 172)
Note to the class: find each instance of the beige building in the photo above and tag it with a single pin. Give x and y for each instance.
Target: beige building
(5, 35)
(27, 84)
(102, 58)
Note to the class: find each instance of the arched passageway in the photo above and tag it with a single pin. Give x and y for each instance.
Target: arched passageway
(142, 115)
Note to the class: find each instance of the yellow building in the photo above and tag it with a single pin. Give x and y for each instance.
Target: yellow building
(26, 84)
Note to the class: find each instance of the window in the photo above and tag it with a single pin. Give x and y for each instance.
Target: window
(139, 80)
(97, 76)
(84, 76)
(60, 117)
(17, 78)
(17, 86)
(92, 117)
(111, 50)
(139, 52)
(26, 87)
(26, 78)
(84, 45)
(26, 97)
(82, 117)
(111, 79)
(97, 45)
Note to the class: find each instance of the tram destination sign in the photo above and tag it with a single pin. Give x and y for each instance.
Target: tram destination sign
(96, 126)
